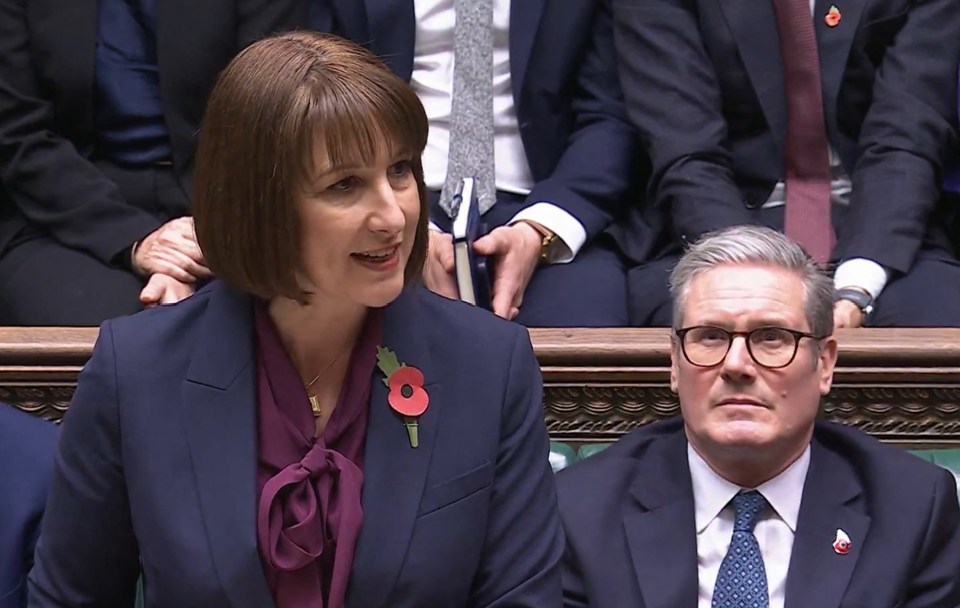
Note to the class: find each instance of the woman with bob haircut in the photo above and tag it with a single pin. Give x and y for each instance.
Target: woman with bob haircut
(313, 429)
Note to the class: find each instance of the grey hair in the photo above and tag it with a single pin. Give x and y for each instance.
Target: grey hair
(756, 245)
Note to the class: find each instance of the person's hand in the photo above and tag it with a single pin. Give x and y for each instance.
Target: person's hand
(846, 314)
(164, 289)
(172, 250)
(516, 250)
(438, 268)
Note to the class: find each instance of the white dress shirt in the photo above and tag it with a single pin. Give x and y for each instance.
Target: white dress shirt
(432, 79)
(774, 532)
(856, 272)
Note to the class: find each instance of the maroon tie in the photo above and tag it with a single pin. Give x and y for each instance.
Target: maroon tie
(807, 158)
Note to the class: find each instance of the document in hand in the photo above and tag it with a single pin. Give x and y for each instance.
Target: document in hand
(473, 278)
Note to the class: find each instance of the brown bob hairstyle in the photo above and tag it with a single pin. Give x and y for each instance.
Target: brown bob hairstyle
(276, 100)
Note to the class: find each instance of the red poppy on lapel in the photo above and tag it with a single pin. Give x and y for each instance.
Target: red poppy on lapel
(833, 17)
(407, 396)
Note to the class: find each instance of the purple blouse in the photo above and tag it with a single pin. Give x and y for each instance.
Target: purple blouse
(309, 514)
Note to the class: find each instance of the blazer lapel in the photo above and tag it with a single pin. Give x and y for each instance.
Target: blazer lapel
(392, 35)
(829, 504)
(834, 44)
(754, 27)
(219, 413)
(661, 532)
(395, 473)
(524, 23)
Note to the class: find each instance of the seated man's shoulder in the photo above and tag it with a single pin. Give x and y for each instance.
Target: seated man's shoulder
(610, 473)
(885, 470)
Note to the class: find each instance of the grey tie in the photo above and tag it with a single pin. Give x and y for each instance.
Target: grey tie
(471, 131)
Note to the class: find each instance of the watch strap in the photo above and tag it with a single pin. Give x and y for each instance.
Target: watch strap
(863, 300)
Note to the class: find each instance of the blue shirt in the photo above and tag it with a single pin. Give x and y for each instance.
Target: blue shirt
(129, 111)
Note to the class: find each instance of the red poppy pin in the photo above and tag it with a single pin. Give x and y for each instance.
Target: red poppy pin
(833, 16)
(407, 396)
(842, 543)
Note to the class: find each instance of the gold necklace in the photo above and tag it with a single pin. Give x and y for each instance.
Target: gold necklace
(314, 400)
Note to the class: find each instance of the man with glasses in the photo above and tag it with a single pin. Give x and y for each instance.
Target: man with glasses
(749, 501)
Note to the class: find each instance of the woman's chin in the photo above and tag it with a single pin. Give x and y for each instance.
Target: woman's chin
(383, 294)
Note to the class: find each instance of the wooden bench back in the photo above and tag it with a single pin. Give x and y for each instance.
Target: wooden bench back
(900, 385)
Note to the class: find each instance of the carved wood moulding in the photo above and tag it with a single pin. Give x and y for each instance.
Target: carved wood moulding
(899, 385)
(927, 414)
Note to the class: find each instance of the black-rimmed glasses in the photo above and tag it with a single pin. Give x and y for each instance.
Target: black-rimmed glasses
(770, 347)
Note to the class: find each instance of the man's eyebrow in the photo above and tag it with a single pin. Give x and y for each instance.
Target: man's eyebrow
(773, 321)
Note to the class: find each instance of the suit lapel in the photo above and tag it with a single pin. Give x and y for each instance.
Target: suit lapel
(833, 44)
(524, 23)
(660, 531)
(829, 504)
(219, 413)
(754, 27)
(392, 33)
(395, 473)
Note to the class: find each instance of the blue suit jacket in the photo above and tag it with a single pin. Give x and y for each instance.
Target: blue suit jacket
(26, 457)
(631, 536)
(158, 463)
(577, 139)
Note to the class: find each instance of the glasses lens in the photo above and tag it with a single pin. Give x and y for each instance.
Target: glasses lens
(772, 346)
(769, 346)
(706, 346)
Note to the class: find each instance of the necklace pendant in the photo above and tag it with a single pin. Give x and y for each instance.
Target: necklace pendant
(315, 406)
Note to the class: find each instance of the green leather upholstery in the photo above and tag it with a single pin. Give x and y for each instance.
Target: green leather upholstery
(589, 449)
(561, 455)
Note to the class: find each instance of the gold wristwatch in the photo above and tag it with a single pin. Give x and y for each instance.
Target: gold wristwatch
(547, 236)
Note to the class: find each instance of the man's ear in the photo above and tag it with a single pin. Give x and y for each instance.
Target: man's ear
(826, 363)
(675, 355)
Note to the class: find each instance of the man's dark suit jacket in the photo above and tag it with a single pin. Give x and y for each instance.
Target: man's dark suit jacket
(26, 457)
(703, 82)
(158, 461)
(47, 130)
(563, 72)
(631, 538)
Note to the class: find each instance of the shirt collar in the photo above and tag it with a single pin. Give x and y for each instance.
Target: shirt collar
(711, 492)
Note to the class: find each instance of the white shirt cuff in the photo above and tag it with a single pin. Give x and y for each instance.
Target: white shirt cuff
(863, 273)
(570, 232)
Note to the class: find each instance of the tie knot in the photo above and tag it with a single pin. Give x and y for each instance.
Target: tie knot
(747, 508)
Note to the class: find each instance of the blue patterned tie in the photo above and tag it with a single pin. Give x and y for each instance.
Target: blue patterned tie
(742, 581)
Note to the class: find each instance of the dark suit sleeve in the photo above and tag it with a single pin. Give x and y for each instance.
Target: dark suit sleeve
(26, 454)
(574, 594)
(596, 169)
(673, 99)
(524, 539)
(259, 18)
(87, 554)
(910, 126)
(51, 183)
(936, 571)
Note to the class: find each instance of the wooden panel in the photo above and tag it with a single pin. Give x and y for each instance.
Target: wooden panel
(901, 385)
